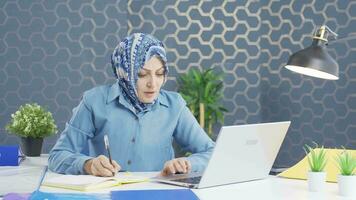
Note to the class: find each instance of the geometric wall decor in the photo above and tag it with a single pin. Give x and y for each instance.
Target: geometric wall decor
(51, 52)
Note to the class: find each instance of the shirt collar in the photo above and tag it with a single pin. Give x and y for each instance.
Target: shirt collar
(115, 92)
(162, 100)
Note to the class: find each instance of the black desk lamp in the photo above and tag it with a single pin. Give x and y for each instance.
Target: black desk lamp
(315, 60)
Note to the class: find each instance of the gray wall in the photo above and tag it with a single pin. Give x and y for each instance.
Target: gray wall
(52, 52)
(251, 41)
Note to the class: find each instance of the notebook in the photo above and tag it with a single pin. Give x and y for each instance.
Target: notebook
(11, 155)
(36, 195)
(89, 182)
(175, 194)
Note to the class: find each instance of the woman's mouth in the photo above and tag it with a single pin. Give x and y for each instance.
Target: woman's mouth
(149, 94)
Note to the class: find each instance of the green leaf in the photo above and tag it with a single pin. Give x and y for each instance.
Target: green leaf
(316, 157)
(203, 87)
(32, 120)
(346, 163)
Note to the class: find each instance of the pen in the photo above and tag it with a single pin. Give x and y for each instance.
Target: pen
(107, 147)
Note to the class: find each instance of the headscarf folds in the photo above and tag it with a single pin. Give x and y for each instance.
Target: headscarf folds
(129, 56)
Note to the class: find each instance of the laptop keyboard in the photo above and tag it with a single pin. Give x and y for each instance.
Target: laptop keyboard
(193, 180)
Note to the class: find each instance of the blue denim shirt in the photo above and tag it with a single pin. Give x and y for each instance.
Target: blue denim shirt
(138, 142)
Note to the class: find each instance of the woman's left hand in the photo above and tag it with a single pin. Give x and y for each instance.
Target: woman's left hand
(177, 165)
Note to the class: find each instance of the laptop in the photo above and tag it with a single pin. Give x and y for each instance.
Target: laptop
(242, 153)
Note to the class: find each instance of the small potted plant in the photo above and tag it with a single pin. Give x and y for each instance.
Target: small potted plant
(347, 178)
(317, 162)
(32, 123)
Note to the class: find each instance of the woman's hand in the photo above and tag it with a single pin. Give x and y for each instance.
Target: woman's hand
(178, 165)
(100, 166)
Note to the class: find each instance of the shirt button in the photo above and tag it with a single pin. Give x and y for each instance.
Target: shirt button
(129, 162)
(133, 140)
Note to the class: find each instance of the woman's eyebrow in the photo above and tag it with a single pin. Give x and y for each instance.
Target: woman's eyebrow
(151, 70)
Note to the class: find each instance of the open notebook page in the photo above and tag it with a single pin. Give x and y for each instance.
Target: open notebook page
(89, 182)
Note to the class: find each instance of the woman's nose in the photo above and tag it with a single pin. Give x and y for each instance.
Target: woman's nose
(150, 82)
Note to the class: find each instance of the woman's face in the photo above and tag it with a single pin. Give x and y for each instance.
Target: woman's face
(150, 80)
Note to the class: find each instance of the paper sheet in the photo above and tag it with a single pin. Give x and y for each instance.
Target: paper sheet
(88, 182)
(300, 170)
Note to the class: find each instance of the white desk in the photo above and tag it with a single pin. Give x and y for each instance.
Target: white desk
(272, 188)
(23, 178)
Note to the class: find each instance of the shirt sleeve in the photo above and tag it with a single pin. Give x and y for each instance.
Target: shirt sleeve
(70, 152)
(190, 136)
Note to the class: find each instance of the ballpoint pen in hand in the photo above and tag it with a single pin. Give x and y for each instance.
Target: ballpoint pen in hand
(107, 147)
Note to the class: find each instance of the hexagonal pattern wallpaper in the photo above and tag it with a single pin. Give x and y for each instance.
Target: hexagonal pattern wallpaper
(51, 52)
(250, 41)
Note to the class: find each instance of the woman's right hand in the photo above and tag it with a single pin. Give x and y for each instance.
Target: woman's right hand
(100, 166)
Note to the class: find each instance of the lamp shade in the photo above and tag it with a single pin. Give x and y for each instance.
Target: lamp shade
(314, 61)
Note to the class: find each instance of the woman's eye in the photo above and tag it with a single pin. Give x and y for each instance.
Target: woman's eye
(141, 75)
(160, 74)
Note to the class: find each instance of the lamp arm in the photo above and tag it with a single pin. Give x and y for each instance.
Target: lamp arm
(322, 34)
(349, 37)
(330, 31)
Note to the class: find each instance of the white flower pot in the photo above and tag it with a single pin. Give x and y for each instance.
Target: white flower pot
(347, 185)
(316, 181)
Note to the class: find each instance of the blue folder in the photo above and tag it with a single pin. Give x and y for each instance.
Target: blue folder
(178, 194)
(10, 155)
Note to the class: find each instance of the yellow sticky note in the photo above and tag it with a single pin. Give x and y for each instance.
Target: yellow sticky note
(300, 170)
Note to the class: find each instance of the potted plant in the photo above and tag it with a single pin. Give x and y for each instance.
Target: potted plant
(317, 162)
(32, 123)
(347, 178)
(202, 90)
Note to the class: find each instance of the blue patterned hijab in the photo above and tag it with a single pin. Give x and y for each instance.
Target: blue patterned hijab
(129, 57)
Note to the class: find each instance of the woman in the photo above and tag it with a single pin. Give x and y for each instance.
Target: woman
(140, 119)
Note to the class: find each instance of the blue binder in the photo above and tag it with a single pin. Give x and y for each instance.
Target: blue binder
(10, 155)
(178, 194)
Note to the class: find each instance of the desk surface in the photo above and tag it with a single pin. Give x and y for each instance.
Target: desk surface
(25, 179)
